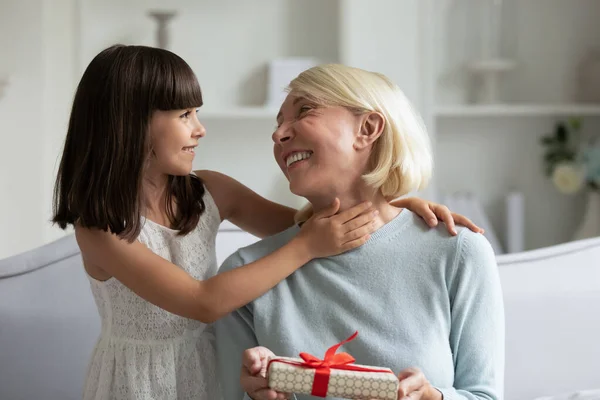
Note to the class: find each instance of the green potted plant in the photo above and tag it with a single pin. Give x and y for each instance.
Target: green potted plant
(572, 161)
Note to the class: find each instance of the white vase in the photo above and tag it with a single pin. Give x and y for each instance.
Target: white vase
(590, 225)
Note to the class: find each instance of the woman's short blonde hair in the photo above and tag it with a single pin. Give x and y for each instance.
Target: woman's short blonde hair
(401, 160)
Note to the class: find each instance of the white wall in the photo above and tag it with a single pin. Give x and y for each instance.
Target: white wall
(547, 38)
(59, 59)
(36, 38)
(21, 126)
(553, 37)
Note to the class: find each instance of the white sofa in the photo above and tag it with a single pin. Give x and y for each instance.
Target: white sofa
(49, 323)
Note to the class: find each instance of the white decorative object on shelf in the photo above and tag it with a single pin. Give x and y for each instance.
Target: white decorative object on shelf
(487, 76)
(590, 225)
(488, 65)
(515, 222)
(162, 33)
(3, 85)
(453, 30)
(281, 72)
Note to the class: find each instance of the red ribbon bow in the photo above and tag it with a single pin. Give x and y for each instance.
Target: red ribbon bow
(331, 361)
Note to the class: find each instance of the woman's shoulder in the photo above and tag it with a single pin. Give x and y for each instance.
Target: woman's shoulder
(464, 247)
(473, 259)
(259, 249)
(473, 246)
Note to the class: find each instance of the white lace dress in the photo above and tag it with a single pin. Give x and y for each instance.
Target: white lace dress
(145, 352)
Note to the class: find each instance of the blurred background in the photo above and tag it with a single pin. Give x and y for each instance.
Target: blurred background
(509, 90)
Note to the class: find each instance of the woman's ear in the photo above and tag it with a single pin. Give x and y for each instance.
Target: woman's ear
(371, 127)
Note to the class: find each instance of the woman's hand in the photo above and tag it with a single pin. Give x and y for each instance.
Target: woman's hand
(431, 212)
(253, 377)
(415, 386)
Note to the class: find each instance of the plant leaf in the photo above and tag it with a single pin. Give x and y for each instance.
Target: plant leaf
(561, 133)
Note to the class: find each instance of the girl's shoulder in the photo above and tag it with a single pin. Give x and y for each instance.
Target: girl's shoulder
(220, 189)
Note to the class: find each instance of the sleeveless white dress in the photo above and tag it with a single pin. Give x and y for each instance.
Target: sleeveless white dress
(145, 352)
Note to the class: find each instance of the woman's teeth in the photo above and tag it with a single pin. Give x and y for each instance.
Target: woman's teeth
(188, 149)
(302, 155)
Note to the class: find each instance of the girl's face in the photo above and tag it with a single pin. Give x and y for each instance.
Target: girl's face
(174, 136)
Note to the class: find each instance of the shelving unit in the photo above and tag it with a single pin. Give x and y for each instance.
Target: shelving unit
(228, 44)
(547, 55)
(518, 110)
(238, 113)
(494, 149)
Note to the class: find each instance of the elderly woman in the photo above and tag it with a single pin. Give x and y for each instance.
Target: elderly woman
(428, 305)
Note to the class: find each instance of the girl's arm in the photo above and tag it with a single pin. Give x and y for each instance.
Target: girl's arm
(261, 217)
(171, 288)
(245, 208)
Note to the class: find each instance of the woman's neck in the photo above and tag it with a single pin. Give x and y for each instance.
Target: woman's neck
(386, 212)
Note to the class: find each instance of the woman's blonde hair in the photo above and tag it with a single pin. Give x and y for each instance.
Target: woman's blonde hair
(401, 160)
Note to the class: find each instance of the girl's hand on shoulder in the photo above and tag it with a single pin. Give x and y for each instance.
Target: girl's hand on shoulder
(432, 212)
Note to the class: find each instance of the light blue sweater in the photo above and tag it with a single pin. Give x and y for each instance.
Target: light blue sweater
(418, 297)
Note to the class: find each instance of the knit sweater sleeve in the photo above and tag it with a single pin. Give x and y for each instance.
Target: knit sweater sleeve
(477, 324)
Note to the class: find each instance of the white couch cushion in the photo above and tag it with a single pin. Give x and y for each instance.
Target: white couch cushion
(49, 323)
(593, 394)
(552, 301)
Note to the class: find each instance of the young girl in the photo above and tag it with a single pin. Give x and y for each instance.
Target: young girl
(146, 227)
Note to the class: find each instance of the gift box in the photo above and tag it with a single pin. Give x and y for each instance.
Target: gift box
(335, 376)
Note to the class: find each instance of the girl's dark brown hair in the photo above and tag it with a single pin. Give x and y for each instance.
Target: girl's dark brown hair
(99, 182)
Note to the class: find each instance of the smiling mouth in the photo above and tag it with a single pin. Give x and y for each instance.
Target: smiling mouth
(296, 157)
(189, 149)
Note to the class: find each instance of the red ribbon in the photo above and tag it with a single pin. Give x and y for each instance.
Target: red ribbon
(323, 367)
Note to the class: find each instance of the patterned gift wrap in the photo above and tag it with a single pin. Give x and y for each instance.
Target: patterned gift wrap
(334, 376)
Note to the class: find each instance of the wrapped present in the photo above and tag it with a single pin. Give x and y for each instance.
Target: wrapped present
(334, 376)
